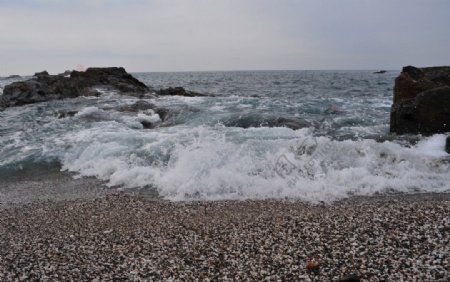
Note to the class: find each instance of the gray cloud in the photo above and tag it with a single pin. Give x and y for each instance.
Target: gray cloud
(164, 35)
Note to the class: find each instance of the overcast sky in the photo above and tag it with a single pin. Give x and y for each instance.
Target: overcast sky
(183, 35)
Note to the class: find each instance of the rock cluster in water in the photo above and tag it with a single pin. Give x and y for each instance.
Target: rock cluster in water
(249, 120)
(179, 91)
(421, 101)
(44, 87)
(70, 84)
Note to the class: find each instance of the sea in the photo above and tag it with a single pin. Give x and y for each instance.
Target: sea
(220, 147)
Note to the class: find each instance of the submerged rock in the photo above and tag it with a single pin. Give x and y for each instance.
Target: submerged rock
(44, 87)
(148, 124)
(179, 91)
(292, 123)
(421, 101)
(248, 121)
(138, 106)
(142, 106)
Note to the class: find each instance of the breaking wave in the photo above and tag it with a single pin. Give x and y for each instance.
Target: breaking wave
(214, 151)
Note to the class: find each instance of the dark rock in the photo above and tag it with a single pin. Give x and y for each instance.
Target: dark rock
(44, 87)
(447, 144)
(413, 81)
(292, 123)
(350, 278)
(164, 114)
(66, 73)
(141, 106)
(42, 73)
(116, 78)
(251, 120)
(138, 106)
(65, 114)
(427, 114)
(147, 125)
(380, 72)
(13, 76)
(421, 101)
(178, 91)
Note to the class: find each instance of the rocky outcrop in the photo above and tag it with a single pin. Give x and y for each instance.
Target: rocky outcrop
(178, 91)
(44, 87)
(421, 101)
(42, 73)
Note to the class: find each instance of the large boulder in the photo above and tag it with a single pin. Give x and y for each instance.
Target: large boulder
(413, 81)
(43, 87)
(421, 101)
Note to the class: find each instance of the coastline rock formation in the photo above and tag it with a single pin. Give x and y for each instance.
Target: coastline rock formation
(421, 101)
(44, 87)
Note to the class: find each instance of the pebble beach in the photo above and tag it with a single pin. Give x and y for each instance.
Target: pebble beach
(133, 238)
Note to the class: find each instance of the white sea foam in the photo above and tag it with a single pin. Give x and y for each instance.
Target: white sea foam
(433, 146)
(197, 160)
(230, 163)
(89, 111)
(151, 117)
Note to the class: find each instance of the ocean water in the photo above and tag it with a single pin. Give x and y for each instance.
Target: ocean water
(204, 153)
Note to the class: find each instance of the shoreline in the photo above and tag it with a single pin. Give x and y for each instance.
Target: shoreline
(137, 238)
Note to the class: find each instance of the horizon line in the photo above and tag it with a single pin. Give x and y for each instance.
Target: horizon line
(217, 70)
(262, 70)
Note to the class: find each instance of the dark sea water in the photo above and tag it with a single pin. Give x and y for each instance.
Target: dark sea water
(214, 148)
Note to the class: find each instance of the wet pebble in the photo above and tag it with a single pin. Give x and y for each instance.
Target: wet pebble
(396, 238)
